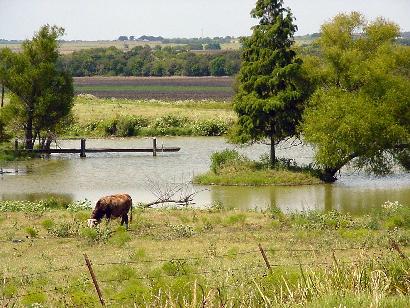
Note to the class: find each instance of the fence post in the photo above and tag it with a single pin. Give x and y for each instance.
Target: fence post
(97, 288)
(154, 146)
(82, 153)
(265, 258)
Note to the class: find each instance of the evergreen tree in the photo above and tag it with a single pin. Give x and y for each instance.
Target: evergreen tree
(270, 94)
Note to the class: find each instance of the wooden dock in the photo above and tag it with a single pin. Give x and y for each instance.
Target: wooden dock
(83, 149)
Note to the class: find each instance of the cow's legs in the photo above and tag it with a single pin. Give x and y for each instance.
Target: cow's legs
(108, 214)
(124, 219)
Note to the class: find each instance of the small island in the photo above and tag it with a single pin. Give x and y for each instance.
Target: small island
(228, 167)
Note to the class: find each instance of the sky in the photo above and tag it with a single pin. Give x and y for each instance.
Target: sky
(106, 20)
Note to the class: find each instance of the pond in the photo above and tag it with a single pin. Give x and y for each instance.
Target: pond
(141, 175)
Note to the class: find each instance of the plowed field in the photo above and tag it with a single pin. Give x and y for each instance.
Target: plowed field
(161, 88)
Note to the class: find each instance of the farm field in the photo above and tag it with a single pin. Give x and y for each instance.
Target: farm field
(160, 88)
(188, 257)
(68, 47)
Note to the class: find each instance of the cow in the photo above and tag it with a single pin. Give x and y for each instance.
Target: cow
(112, 207)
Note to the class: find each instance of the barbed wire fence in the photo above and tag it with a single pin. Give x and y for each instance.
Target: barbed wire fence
(264, 264)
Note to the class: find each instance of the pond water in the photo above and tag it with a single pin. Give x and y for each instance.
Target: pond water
(69, 176)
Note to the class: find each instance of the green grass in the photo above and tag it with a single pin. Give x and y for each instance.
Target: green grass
(183, 257)
(230, 168)
(151, 88)
(148, 118)
(251, 177)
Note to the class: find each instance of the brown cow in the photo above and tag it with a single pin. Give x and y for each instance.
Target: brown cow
(112, 207)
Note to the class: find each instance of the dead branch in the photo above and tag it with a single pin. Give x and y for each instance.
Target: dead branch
(170, 192)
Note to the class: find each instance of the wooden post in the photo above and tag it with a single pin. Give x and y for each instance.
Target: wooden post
(154, 146)
(2, 95)
(97, 288)
(82, 154)
(16, 146)
(265, 258)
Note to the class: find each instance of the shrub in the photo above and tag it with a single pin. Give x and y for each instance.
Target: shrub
(218, 159)
(47, 224)
(169, 121)
(130, 126)
(79, 206)
(183, 230)
(95, 235)
(64, 230)
(32, 232)
(120, 237)
(210, 128)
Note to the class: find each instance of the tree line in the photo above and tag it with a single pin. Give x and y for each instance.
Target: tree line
(147, 61)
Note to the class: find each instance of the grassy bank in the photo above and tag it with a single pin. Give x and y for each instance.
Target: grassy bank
(230, 168)
(121, 117)
(187, 257)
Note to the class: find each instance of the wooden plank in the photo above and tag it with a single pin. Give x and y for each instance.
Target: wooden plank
(104, 150)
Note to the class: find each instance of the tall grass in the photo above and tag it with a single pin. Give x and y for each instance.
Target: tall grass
(171, 125)
(204, 258)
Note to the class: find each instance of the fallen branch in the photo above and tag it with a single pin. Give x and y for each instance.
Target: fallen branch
(186, 200)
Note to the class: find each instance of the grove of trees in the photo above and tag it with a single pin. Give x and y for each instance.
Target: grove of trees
(350, 98)
(147, 61)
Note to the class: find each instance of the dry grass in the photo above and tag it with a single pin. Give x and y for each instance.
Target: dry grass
(174, 258)
(89, 110)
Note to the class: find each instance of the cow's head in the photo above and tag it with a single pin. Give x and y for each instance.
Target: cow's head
(92, 222)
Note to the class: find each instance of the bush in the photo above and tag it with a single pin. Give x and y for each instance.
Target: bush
(47, 224)
(32, 232)
(169, 121)
(218, 159)
(210, 128)
(130, 126)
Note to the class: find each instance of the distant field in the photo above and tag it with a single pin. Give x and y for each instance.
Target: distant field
(162, 88)
(69, 47)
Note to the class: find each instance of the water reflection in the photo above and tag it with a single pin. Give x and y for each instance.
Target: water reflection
(73, 178)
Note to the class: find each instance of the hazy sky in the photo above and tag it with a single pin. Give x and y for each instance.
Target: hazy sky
(104, 19)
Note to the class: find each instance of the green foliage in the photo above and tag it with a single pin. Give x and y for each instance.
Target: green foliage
(360, 108)
(236, 219)
(65, 229)
(120, 237)
(96, 235)
(41, 94)
(228, 167)
(4, 136)
(271, 90)
(147, 61)
(182, 230)
(210, 128)
(127, 126)
(218, 159)
(48, 224)
(32, 232)
(34, 299)
(29, 206)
